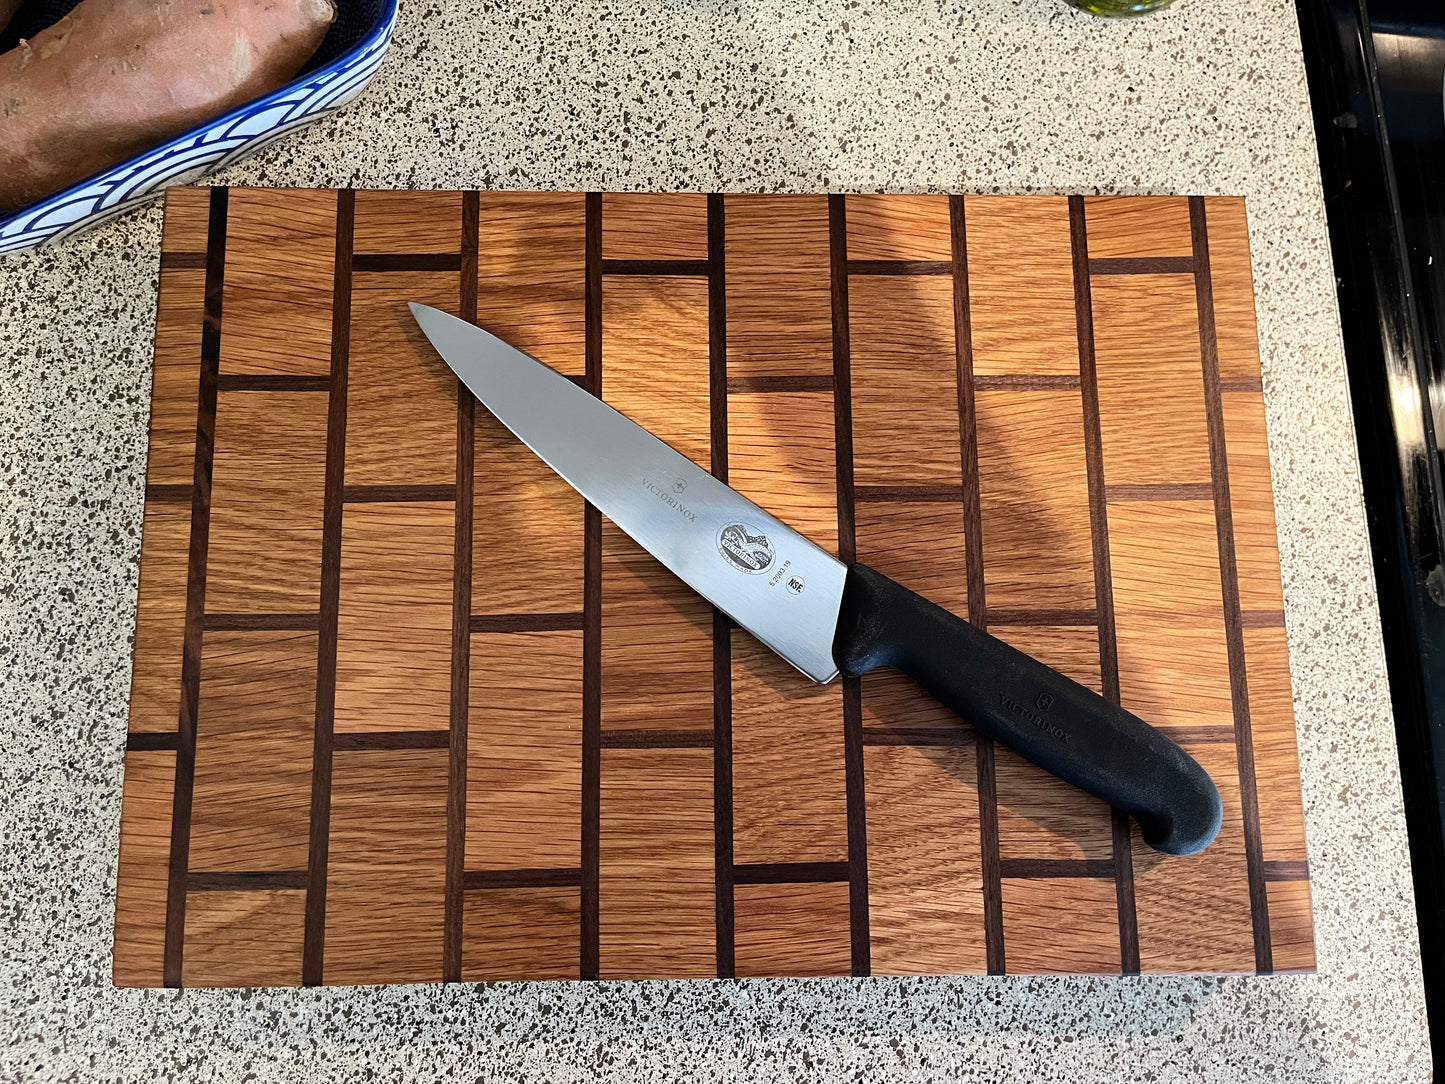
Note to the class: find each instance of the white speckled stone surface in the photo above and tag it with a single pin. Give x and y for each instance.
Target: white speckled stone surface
(964, 95)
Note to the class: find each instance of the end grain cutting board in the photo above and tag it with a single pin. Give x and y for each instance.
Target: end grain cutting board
(404, 709)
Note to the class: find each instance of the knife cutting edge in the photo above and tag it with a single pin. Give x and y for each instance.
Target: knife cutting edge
(820, 615)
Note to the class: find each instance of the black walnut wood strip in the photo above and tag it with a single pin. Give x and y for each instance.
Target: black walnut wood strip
(722, 635)
(790, 873)
(743, 385)
(960, 735)
(1261, 619)
(856, 802)
(390, 739)
(150, 742)
(900, 267)
(1043, 618)
(407, 261)
(461, 668)
(550, 622)
(655, 267)
(318, 850)
(1026, 382)
(655, 739)
(931, 494)
(183, 261)
(1229, 582)
(397, 494)
(271, 382)
(249, 881)
(1036, 868)
(1161, 491)
(179, 493)
(1142, 265)
(195, 590)
(1121, 838)
(592, 616)
(1241, 384)
(977, 598)
(303, 622)
(1202, 734)
(1280, 869)
(482, 879)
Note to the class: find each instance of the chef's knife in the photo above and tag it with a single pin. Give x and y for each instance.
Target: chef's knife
(820, 615)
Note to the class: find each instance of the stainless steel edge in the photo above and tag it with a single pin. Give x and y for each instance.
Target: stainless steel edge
(767, 577)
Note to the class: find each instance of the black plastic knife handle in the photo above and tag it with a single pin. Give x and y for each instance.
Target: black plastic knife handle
(1036, 711)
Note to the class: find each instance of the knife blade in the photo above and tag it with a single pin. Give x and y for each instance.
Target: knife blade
(822, 616)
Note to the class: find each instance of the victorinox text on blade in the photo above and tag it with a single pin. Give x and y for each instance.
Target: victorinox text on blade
(820, 615)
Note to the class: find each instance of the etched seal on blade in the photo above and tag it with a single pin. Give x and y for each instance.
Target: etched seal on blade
(745, 547)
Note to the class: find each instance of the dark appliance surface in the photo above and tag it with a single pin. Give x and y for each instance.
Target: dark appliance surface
(1376, 74)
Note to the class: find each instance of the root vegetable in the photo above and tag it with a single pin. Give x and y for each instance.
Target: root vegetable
(117, 77)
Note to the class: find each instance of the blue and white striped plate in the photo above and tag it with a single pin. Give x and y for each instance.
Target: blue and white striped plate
(209, 146)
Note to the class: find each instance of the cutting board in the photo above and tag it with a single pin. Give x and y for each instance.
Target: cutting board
(404, 709)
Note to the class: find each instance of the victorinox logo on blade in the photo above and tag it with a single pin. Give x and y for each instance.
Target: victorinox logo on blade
(677, 485)
(745, 547)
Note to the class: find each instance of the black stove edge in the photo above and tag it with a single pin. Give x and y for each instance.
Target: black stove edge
(1400, 472)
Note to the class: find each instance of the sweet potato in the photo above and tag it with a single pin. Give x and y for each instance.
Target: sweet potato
(116, 77)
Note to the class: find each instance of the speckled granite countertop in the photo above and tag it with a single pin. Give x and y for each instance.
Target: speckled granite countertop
(967, 95)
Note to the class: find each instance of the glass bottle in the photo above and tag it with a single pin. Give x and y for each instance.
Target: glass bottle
(1120, 8)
